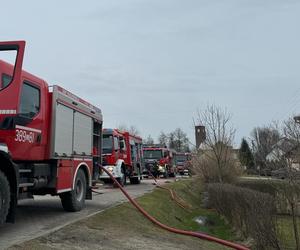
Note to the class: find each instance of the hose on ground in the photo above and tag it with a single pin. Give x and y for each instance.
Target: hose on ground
(170, 229)
(174, 196)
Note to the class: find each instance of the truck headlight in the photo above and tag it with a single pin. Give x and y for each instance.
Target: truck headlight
(160, 168)
(110, 169)
(3, 147)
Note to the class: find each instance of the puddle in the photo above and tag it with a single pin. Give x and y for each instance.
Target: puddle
(201, 220)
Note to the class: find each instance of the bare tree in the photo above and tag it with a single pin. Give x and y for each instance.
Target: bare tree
(179, 141)
(218, 146)
(263, 140)
(171, 140)
(149, 140)
(176, 139)
(291, 130)
(163, 138)
(131, 129)
(134, 130)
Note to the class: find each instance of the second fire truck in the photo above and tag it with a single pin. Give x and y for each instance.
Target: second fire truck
(122, 156)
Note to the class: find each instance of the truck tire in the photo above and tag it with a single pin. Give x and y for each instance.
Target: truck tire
(74, 200)
(4, 197)
(136, 179)
(172, 174)
(166, 174)
(106, 181)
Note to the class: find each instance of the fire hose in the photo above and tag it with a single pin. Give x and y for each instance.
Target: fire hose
(170, 229)
(172, 193)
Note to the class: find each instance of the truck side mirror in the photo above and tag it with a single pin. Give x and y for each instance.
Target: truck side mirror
(122, 145)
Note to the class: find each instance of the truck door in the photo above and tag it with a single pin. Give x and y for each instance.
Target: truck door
(22, 97)
(29, 139)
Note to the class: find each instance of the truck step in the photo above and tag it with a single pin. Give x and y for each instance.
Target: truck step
(25, 171)
(26, 185)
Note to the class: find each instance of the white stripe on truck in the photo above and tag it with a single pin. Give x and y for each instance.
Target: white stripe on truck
(29, 129)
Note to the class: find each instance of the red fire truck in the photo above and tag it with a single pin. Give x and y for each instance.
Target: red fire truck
(48, 139)
(122, 156)
(159, 160)
(183, 162)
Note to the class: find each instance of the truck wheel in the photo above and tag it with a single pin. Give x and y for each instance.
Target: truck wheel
(166, 175)
(4, 197)
(172, 174)
(74, 200)
(106, 181)
(136, 179)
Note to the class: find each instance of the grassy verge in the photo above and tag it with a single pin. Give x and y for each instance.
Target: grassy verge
(122, 227)
(160, 205)
(286, 232)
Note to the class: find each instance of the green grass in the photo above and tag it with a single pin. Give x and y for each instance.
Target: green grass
(160, 205)
(286, 232)
(123, 227)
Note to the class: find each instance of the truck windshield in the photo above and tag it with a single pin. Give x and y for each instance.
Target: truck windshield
(181, 158)
(153, 154)
(107, 144)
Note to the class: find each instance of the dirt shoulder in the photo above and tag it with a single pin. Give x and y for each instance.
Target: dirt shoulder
(122, 227)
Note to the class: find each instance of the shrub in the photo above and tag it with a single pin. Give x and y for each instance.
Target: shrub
(265, 186)
(206, 166)
(252, 213)
(281, 190)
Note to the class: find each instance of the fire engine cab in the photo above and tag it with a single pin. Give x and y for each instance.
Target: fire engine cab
(122, 156)
(159, 160)
(47, 137)
(183, 163)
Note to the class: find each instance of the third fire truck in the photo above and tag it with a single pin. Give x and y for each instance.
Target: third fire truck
(183, 163)
(159, 160)
(122, 156)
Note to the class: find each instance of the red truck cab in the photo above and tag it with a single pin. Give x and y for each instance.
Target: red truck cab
(47, 136)
(183, 162)
(122, 156)
(159, 160)
(21, 108)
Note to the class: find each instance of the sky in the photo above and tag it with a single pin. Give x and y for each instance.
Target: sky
(152, 63)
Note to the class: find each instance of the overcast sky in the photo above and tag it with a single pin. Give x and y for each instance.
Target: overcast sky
(153, 63)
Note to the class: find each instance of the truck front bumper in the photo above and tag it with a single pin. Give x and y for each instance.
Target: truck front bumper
(113, 170)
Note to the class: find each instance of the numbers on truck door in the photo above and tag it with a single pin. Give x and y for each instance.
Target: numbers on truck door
(24, 136)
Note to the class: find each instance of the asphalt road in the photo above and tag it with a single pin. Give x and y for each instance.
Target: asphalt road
(45, 214)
